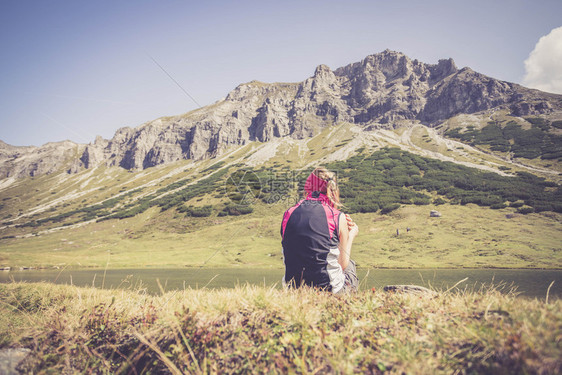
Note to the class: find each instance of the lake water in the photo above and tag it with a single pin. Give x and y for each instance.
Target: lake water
(532, 283)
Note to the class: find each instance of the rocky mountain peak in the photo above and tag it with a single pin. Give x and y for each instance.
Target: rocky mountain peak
(444, 68)
(322, 70)
(99, 140)
(23, 161)
(390, 63)
(379, 91)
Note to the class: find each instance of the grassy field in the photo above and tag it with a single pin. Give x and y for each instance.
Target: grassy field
(253, 329)
(465, 236)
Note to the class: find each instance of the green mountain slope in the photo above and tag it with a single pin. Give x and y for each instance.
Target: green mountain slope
(496, 211)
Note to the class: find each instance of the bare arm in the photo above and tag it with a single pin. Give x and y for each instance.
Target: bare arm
(347, 232)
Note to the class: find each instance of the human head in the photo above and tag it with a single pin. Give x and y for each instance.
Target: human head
(325, 182)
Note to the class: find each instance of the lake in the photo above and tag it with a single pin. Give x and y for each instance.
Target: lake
(531, 283)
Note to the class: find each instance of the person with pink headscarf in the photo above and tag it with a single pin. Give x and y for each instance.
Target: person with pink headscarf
(317, 238)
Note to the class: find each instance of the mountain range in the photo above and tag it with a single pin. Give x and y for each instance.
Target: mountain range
(208, 187)
(383, 91)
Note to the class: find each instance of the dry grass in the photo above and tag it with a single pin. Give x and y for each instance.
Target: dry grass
(256, 329)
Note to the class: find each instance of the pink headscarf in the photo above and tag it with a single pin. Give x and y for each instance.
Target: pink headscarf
(314, 183)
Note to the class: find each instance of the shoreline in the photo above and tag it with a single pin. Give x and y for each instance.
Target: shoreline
(532, 283)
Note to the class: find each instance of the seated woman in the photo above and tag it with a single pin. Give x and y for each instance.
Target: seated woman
(317, 238)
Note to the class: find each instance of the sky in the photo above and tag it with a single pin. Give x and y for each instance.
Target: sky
(77, 69)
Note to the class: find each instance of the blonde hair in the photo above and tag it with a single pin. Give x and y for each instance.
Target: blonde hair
(331, 190)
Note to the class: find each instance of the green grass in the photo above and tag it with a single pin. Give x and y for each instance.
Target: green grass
(391, 176)
(465, 236)
(266, 330)
(531, 143)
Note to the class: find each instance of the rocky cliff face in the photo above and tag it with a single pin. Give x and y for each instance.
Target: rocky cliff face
(32, 161)
(376, 92)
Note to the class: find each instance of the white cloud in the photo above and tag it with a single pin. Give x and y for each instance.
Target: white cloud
(544, 65)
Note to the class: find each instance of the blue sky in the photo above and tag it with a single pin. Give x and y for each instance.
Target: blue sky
(77, 69)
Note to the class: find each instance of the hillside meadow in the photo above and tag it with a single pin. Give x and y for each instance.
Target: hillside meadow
(464, 236)
(197, 213)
